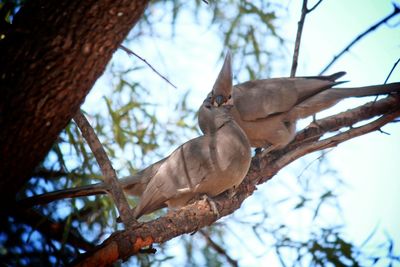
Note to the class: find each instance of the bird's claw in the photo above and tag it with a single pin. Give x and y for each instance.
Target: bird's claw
(212, 204)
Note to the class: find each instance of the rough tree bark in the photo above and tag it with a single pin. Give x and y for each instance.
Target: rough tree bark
(50, 58)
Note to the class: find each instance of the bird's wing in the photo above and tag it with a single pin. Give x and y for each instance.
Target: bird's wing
(259, 99)
(178, 175)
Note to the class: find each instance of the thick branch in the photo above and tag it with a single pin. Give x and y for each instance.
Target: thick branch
(110, 177)
(123, 244)
(50, 58)
(345, 119)
(337, 139)
(396, 10)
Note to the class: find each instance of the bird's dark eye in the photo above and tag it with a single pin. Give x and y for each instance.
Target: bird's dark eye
(230, 96)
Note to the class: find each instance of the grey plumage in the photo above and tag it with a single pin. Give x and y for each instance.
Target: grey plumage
(209, 164)
(267, 110)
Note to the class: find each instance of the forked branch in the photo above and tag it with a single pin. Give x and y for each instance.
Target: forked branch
(304, 12)
(106, 168)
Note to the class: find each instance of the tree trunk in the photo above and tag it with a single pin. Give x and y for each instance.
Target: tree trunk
(50, 58)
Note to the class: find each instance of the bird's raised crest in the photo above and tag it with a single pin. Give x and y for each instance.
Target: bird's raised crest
(222, 88)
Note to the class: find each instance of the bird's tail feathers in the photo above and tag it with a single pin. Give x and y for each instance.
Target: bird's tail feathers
(87, 190)
(330, 97)
(136, 184)
(367, 90)
(333, 77)
(132, 185)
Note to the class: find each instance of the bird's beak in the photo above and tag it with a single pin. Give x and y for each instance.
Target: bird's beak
(219, 99)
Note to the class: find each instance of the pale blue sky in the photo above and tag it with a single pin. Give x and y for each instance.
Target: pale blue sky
(369, 164)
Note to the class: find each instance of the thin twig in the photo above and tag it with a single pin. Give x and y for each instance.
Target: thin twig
(304, 12)
(218, 248)
(315, 6)
(319, 158)
(131, 53)
(108, 171)
(362, 35)
(391, 71)
(298, 38)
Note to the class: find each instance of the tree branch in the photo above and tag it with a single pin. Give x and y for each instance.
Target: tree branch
(391, 71)
(130, 52)
(298, 38)
(107, 170)
(345, 119)
(315, 6)
(304, 12)
(218, 248)
(337, 139)
(396, 11)
(191, 218)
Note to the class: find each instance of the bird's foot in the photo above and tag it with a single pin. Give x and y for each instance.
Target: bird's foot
(132, 222)
(314, 123)
(256, 161)
(267, 151)
(212, 204)
(231, 192)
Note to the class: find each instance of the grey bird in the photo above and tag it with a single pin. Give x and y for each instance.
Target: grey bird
(209, 164)
(267, 110)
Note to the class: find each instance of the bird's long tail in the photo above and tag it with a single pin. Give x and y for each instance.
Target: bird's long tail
(132, 185)
(333, 77)
(365, 90)
(87, 190)
(332, 96)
